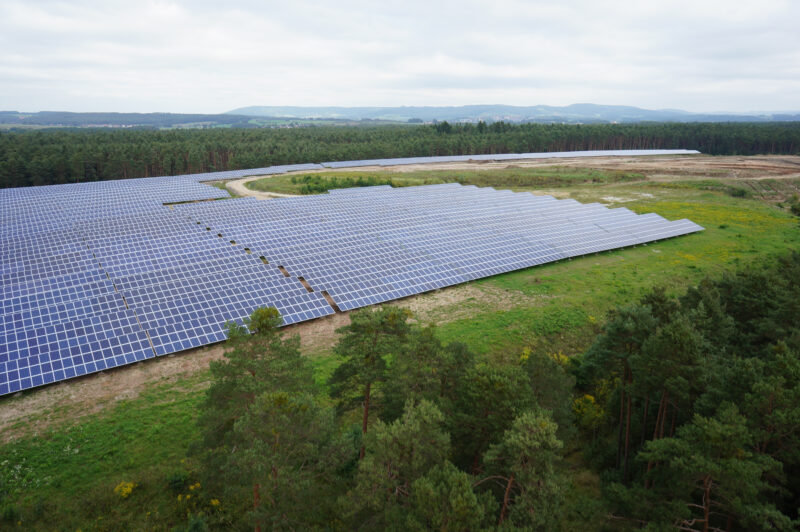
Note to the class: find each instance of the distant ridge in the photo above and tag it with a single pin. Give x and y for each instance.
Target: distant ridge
(153, 120)
(257, 117)
(575, 113)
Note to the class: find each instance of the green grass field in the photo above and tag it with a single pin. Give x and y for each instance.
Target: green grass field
(65, 478)
(513, 178)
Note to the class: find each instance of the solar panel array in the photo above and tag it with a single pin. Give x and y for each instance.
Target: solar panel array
(501, 157)
(400, 161)
(98, 275)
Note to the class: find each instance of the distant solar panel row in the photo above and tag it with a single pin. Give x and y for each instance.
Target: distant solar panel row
(97, 275)
(400, 161)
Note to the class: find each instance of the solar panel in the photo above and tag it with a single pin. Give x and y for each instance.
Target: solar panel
(99, 275)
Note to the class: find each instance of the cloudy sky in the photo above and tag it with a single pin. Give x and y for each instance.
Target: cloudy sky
(214, 56)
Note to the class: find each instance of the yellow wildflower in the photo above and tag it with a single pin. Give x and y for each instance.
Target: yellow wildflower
(124, 489)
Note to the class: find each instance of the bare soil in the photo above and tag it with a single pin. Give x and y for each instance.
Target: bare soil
(238, 188)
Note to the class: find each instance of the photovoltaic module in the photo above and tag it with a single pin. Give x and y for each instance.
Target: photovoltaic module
(98, 275)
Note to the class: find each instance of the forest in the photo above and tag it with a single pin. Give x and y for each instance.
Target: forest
(687, 408)
(45, 157)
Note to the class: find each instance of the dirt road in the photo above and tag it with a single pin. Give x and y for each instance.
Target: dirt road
(654, 168)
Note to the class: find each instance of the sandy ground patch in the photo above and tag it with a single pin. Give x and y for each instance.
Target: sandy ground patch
(457, 302)
(238, 188)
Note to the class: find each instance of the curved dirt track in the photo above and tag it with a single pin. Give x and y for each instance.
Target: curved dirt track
(237, 187)
(653, 167)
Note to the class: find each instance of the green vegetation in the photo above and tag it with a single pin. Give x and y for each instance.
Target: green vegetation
(698, 400)
(66, 479)
(513, 178)
(519, 344)
(69, 156)
(314, 184)
(264, 436)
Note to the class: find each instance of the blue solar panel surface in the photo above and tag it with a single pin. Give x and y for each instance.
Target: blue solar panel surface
(98, 275)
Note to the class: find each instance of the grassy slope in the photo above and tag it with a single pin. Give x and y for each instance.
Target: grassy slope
(65, 479)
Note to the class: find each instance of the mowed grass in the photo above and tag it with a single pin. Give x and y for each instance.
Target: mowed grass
(64, 479)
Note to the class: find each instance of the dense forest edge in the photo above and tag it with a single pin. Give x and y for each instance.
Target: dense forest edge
(46, 157)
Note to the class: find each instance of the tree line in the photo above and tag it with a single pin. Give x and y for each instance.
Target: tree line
(46, 157)
(687, 408)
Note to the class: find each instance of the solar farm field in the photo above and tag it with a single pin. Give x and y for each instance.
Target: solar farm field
(106, 274)
(114, 418)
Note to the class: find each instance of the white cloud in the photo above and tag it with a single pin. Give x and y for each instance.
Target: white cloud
(202, 56)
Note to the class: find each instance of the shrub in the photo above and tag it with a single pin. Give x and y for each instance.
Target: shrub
(9, 514)
(738, 192)
(195, 523)
(177, 482)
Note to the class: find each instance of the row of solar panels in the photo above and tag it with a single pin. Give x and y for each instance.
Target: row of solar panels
(97, 275)
(400, 161)
(392, 247)
(131, 194)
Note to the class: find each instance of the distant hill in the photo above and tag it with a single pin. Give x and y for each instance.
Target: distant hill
(255, 117)
(576, 113)
(134, 120)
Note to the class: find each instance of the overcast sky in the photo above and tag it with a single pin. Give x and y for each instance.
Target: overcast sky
(214, 56)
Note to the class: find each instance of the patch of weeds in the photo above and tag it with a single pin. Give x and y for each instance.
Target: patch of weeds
(9, 514)
(737, 192)
(178, 482)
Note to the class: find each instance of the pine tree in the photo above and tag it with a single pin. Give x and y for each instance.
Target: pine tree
(371, 337)
(524, 462)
